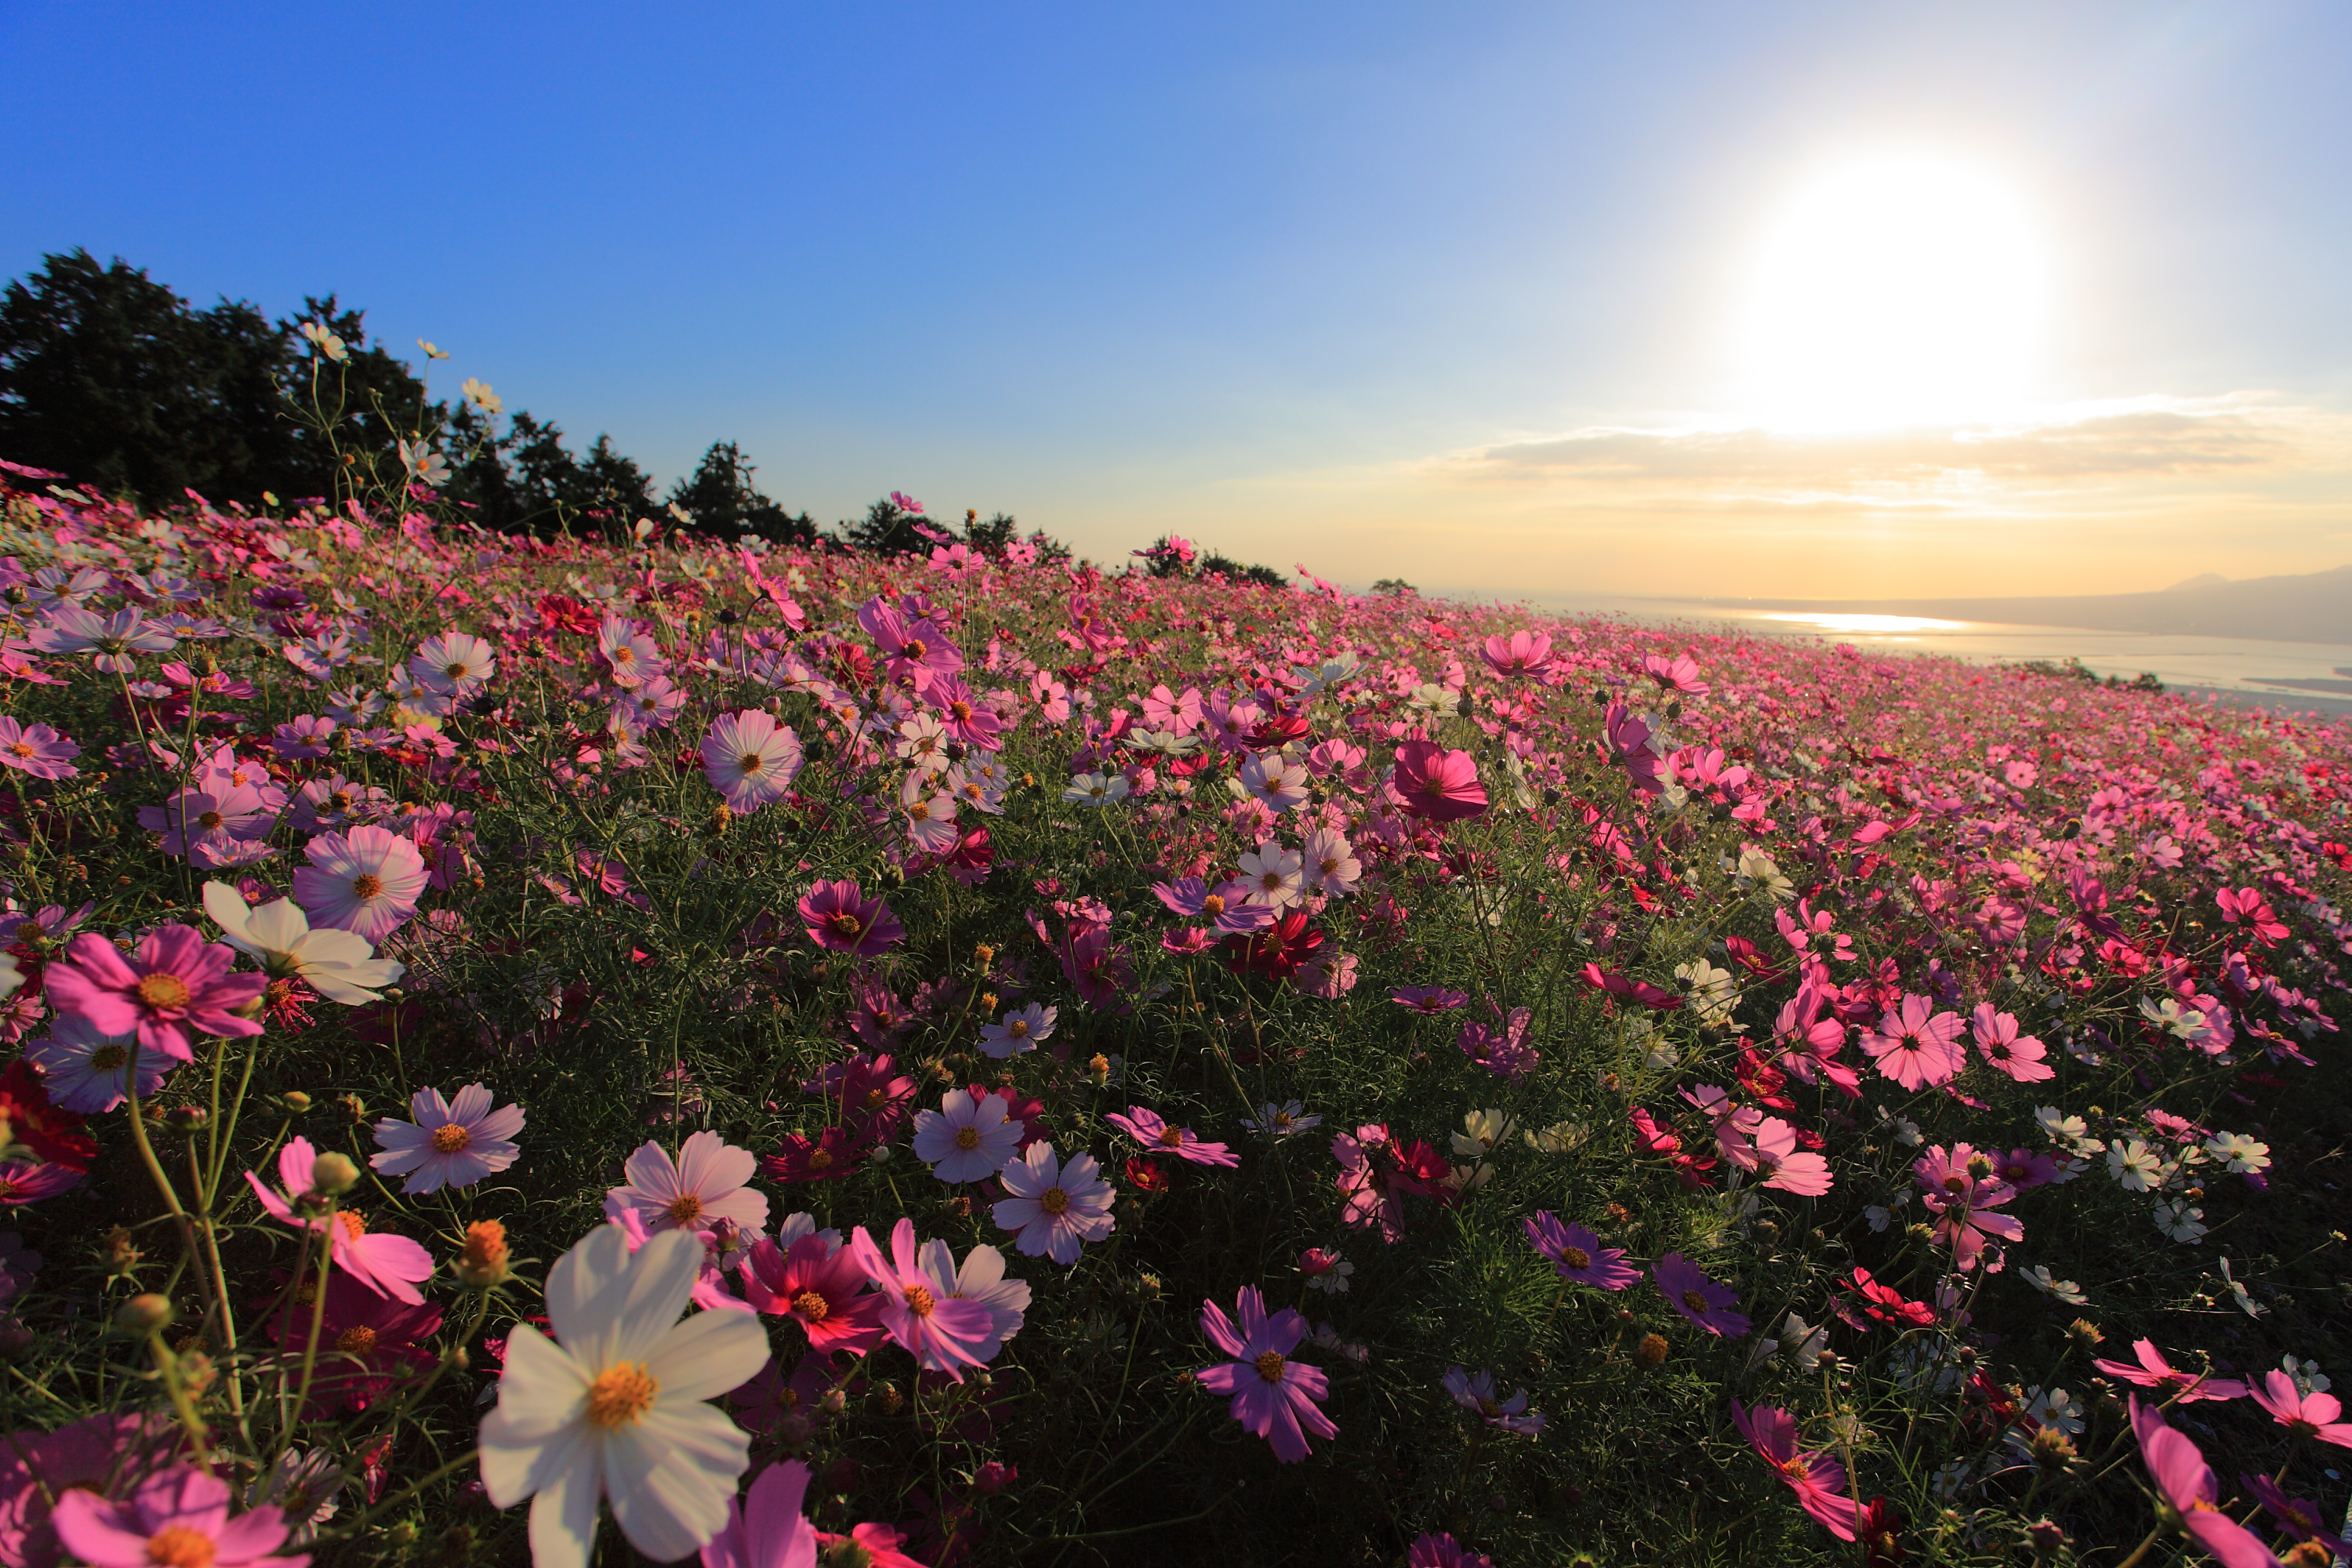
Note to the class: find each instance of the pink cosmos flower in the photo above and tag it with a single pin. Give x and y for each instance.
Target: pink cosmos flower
(1628, 740)
(765, 1528)
(2155, 1372)
(37, 750)
(1441, 1551)
(1375, 1172)
(1771, 1150)
(2180, 1473)
(179, 1518)
(749, 758)
(2309, 1414)
(842, 918)
(1577, 1253)
(1436, 784)
(386, 1264)
(1226, 906)
(2302, 1518)
(1705, 1303)
(1475, 1394)
(874, 1545)
(366, 881)
(1524, 653)
(452, 1143)
(1962, 1191)
(940, 1334)
(25, 1181)
(1816, 1478)
(820, 1286)
(1056, 1205)
(2019, 1056)
(1019, 1031)
(1273, 1395)
(1916, 1050)
(172, 982)
(918, 650)
(703, 1185)
(1679, 673)
(1430, 999)
(1149, 1129)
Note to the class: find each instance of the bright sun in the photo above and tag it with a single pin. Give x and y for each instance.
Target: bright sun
(1899, 290)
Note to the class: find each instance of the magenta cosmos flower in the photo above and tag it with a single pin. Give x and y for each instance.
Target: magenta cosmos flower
(941, 1334)
(843, 919)
(365, 881)
(178, 1518)
(1151, 1130)
(2155, 1372)
(1056, 1205)
(1441, 1551)
(1475, 1392)
(2006, 1050)
(2310, 1415)
(2178, 1468)
(1274, 1396)
(1430, 999)
(1689, 1291)
(37, 750)
(1436, 784)
(387, 1265)
(172, 983)
(1916, 1050)
(1816, 1478)
(765, 1529)
(452, 1143)
(705, 1185)
(749, 758)
(1578, 1255)
(818, 1283)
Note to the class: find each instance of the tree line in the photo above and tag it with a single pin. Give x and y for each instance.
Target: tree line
(111, 377)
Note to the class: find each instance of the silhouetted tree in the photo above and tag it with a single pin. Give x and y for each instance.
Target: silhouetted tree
(723, 500)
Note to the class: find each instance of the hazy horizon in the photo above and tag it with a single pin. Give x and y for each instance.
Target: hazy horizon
(1852, 302)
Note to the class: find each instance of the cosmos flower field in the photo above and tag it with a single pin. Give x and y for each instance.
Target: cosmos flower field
(553, 1051)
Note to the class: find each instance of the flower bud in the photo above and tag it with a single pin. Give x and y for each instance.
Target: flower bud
(121, 1252)
(144, 1313)
(333, 1174)
(1651, 1354)
(483, 1261)
(296, 1102)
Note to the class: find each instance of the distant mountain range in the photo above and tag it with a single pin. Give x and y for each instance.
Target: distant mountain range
(2313, 607)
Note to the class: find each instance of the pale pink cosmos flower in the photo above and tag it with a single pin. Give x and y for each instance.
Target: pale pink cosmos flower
(453, 664)
(1153, 1132)
(172, 983)
(1329, 863)
(451, 1142)
(1771, 1150)
(633, 655)
(85, 1071)
(1914, 1048)
(931, 814)
(365, 881)
(1273, 1395)
(749, 758)
(1056, 1205)
(1679, 673)
(1816, 1478)
(705, 1185)
(1274, 876)
(1019, 1031)
(979, 1278)
(942, 1333)
(1275, 779)
(1476, 1392)
(2310, 1415)
(1998, 1041)
(386, 1264)
(968, 1139)
(178, 1518)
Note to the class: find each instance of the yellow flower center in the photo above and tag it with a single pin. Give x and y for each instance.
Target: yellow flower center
(449, 1139)
(751, 762)
(1018, 1029)
(210, 820)
(1270, 1365)
(1576, 1258)
(1695, 1301)
(163, 991)
(367, 885)
(812, 1306)
(920, 1302)
(1212, 905)
(1171, 1138)
(819, 1158)
(967, 1137)
(1054, 1200)
(106, 1058)
(354, 1223)
(177, 1546)
(846, 924)
(621, 1396)
(357, 1340)
(685, 1209)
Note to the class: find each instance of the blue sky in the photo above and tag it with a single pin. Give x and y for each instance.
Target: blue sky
(1389, 290)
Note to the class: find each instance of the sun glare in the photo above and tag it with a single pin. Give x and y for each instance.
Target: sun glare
(1894, 290)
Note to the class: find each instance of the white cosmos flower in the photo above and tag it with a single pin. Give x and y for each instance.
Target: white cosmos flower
(339, 966)
(612, 1406)
(1096, 789)
(2066, 1290)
